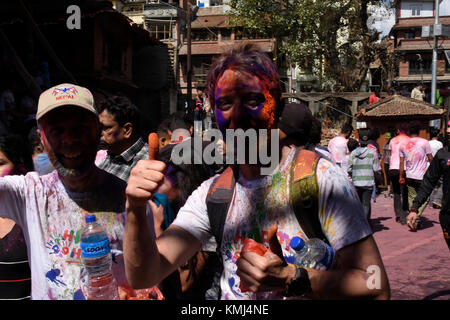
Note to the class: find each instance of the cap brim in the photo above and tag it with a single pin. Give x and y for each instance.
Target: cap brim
(58, 105)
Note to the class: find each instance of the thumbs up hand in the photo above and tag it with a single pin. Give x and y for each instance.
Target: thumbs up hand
(146, 176)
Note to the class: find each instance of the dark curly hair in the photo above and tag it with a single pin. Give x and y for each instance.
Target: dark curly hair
(414, 127)
(123, 111)
(17, 150)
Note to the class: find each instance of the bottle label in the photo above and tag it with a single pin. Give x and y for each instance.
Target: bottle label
(96, 249)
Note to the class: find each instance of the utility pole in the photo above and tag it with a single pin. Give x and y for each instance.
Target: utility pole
(189, 60)
(435, 54)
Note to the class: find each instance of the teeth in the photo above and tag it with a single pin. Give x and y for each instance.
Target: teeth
(72, 155)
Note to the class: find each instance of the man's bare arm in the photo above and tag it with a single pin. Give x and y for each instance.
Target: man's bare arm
(402, 169)
(148, 261)
(349, 280)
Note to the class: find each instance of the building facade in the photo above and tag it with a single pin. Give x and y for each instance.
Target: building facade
(414, 52)
(210, 36)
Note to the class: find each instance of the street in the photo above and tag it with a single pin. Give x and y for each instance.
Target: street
(417, 263)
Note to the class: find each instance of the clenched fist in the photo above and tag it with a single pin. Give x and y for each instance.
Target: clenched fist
(144, 181)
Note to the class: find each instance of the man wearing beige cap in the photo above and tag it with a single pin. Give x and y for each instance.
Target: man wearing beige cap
(51, 208)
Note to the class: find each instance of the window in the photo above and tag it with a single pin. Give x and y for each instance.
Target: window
(415, 10)
(410, 35)
(215, 2)
(160, 30)
(415, 67)
(226, 34)
(204, 35)
(245, 34)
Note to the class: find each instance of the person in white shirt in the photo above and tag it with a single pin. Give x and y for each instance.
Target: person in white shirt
(418, 92)
(434, 142)
(338, 145)
(245, 92)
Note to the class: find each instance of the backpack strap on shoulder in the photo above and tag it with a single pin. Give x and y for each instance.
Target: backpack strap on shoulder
(304, 193)
(219, 199)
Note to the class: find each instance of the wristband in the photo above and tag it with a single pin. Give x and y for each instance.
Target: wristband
(413, 210)
(299, 285)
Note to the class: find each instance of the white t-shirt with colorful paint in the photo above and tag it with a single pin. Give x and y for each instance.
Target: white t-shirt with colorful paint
(258, 204)
(394, 146)
(415, 152)
(52, 219)
(338, 148)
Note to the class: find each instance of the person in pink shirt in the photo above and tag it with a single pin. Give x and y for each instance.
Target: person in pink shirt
(414, 157)
(338, 145)
(399, 191)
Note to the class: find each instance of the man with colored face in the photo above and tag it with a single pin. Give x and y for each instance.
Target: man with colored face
(120, 135)
(244, 89)
(51, 208)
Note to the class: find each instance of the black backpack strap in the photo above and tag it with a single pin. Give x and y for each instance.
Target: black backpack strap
(219, 199)
(304, 193)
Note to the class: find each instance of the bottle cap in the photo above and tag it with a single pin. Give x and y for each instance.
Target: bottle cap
(90, 218)
(297, 243)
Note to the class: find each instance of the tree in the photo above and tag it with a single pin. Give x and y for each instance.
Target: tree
(327, 37)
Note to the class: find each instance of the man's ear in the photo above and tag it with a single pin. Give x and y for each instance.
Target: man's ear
(40, 134)
(127, 130)
(42, 137)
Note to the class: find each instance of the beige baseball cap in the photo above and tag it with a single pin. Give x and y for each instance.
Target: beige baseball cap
(63, 95)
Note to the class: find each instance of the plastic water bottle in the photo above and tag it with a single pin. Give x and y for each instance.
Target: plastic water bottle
(96, 256)
(313, 253)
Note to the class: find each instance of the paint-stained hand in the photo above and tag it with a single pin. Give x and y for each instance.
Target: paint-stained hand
(153, 146)
(269, 272)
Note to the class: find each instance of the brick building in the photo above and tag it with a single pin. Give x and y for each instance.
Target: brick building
(414, 52)
(211, 35)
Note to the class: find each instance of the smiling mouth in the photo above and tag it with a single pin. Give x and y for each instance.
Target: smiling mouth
(71, 156)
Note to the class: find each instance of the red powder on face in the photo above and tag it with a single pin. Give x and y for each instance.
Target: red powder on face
(268, 111)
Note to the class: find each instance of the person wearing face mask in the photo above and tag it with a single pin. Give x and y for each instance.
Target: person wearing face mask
(245, 92)
(15, 274)
(439, 167)
(51, 209)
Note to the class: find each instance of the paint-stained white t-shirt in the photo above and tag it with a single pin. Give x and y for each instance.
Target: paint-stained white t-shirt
(52, 219)
(258, 204)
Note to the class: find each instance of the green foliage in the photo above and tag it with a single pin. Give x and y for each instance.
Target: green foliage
(324, 36)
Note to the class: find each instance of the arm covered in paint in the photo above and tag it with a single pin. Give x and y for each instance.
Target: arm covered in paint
(147, 260)
(13, 199)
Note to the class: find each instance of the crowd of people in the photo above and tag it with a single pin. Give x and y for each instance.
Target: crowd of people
(180, 228)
